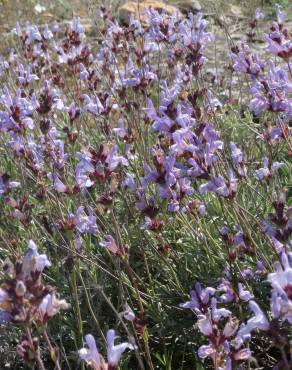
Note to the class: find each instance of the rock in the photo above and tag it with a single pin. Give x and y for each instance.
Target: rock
(137, 9)
(188, 6)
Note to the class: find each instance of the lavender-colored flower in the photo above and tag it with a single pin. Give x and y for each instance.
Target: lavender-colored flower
(267, 171)
(281, 16)
(59, 186)
(218, 313)
(50, 306)
(33, 34)
(84, 223)
(199, 297)
(84, 74)
(135, 77)
(120, 130)
(110, 244)
(247, 62)
(193, 33)
(228, 293)
(217, 185)
(236, 154)
(113, 160)
(205, 325)
(279, 45)
(6, 184)
(244, 294)
(214, 102)
(47, 33)
(206, 351)
(258, 322)
(33, 261)
(91, 355)
(5, 316)
(281, 281)
(128, 314)
(76, 26)
(243, 354)
(129, 182)
(25, 76)
(92, 105)
(259, 14)
(114, 352)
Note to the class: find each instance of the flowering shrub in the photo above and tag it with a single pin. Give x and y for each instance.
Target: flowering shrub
(131, 171)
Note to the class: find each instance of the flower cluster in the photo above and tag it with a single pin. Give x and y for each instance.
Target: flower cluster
(25, 299)
(225, 336)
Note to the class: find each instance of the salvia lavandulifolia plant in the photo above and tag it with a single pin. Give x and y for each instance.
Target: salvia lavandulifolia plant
(138, 174)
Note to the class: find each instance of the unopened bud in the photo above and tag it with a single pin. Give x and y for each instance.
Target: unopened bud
(20, 289)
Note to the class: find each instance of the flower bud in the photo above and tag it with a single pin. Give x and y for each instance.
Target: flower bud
(20, 289)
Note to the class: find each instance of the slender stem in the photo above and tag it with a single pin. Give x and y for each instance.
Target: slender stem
(90, 308)
(289, 68)
(39, 360)
(40, 363)
(285, 360)
(76, 304)
(54, 355)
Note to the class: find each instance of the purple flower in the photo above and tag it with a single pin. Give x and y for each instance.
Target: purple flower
(91, 355)
(50, 306)
(59, 186)
(243, 354)
(279, 46)
(47, 33)
(129, 182)
(281, 16)
(110, 244)
(217, 185)
(228, 292)
(247, 62)
(128, 314)
(214, 102)
(281, 281)
(257, 322)
(192, 30)
(113, 160)
(6, 185)
(206, 351)
(259, 14)
(218, 313)
(244, 295)
(236, 154)
(120, 130)
(25, 77)
(32, 34)
(198, 296)
(76, 26)
(266, 172)
(84, 223)
(5, 316)
(33, 261)
(92, 105)
(84, 74)
(114, 352)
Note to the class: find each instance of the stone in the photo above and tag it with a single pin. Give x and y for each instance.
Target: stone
(188, 6)
(132, 8)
